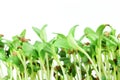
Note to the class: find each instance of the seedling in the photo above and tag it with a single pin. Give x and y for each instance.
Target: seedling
(63, 57)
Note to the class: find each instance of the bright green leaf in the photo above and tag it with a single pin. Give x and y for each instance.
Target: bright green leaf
(29, 50)
(100, 29)
(88, 30)
(91, 35)
(110, 42)
(72, 30)
(2, 55)
(70, 38)
(61, 43)
(14, 60)
(23, 33)
(36, 30)
(41, 33)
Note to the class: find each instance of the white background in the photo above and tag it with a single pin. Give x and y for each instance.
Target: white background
(60, 15)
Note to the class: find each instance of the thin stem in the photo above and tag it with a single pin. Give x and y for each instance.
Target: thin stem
(80, 49)
(48, 71)
(23, 61)
(58, 61)
(77, 70)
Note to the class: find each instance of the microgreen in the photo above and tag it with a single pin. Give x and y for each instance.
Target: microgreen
(63, 57)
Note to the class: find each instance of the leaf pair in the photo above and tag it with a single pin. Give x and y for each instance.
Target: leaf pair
(41, 33)
(92, 35)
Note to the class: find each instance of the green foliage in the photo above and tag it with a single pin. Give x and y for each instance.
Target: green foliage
(63, 57)
(41, 33)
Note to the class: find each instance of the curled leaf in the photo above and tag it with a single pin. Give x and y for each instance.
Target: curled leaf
(70, 38)
(100, 29)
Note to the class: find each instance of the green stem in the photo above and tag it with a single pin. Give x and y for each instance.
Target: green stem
(77, 70)
(23, 61)
(80, 49)
(32, 75)
(58, 61)
(11, 73)
(18, 74)
(42, 69)
(48, 71)
(25, 68)
(99, 62)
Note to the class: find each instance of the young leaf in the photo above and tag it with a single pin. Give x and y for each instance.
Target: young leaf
(91, 35)
(23, 33)
(37, 31)
(113, 38)
(1, 44)
(113, 31)
(59, 35)
(109, 42)
(41, 33)
(72, 30)
(88, 30)
(70, 38)
(14, 60)
(100, 29)
(29, 50)
(39, 46)
(2, 55)
(118, 61)
(92, 38)
(61, 43)
(66, 60)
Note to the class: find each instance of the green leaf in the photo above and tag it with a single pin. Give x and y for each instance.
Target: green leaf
(39, 46)
(109, 42)
(65, 60)
(111, 62)
(100, 29)
(72, 70)
(92, 38)
(41, 33)
(29, 50)
(103, 77)
(72, 30)
(36, 30)
(2, 55)
(48, 49)
(113, 31)
(35, 66)
(84, 59)
(23, 33)
(113, 38)
(14, 60)
(61, 43)
(70, 38)
(59, 36)
(62, 53)
(43, 49)
(1, 44)
(91, 35)
(118, 61)
(88, 30)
